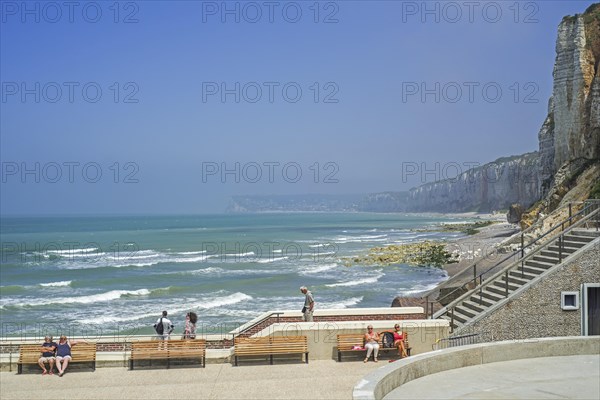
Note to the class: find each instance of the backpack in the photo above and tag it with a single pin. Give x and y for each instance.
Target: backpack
(387, 340)
(159, 327)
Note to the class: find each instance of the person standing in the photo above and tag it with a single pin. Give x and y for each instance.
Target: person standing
(189, 331)
(309, 304)
(164, 327)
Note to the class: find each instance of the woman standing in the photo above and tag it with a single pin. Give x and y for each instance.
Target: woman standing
(189, 332)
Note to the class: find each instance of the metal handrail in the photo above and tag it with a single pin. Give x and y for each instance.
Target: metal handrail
(521, 250)
(473, 266)
(490, 280)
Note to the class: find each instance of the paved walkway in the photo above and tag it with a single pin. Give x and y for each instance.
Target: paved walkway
(572, 377)
(320, 379)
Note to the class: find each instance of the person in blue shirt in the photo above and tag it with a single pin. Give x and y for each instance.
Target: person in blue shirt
(63, 354)
(48, 349)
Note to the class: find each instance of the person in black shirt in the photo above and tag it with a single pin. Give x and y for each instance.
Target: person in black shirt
(48, 351)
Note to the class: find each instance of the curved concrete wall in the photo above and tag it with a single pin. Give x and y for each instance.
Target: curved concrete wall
(382, 381)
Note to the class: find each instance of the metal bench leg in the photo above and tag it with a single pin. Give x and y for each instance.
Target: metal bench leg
(131, 365)
(236, 360)
(271, 359)
(307, 358)
(20, 369)
(339, 356)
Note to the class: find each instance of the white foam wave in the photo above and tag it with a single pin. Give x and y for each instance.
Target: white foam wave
(224, 301)
(188, 253)
(95, 298)
(318, 245)
(56, 284)
(277, 251)
(270, 260)
(318, 269)
(344, 303)
(73, 251)
(358, 282)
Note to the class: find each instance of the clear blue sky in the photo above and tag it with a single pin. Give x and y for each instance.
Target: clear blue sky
(173, 57)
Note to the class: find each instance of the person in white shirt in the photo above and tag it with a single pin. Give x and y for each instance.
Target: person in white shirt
(167, 327)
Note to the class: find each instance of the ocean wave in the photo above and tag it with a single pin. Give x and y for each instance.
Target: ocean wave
(343, 304)
(73, 251)
(317, 269)
(277, 251)
(270, 260)
(357, 282)
(188, 253)
(419, 289)
(224, 301)
(56, 284)
(318, 245)
(94, 298)
(189, 304)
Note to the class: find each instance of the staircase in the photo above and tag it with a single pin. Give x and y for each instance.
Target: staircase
(545, 254)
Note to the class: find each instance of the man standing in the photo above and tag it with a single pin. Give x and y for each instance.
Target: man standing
(309, 304)
(163, 327)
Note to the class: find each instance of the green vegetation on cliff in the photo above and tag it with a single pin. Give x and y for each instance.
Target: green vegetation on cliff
(418, 254)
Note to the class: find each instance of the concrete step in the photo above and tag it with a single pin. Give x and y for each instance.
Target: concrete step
(546, 259)
(565, 250)
(533, 270)
(515, 279)
(472, 306)
(501, 284)
(447, 318)
(539, 264)
(458, 317)
(498, 291)
(547, 253)
(571, 243)
(526, 276)
(590, 233)
(464, 312)
(578, 238)
(483, 301)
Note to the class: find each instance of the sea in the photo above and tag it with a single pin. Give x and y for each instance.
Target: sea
(100, 275)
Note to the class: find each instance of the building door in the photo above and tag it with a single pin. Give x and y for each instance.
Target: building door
(591, 309)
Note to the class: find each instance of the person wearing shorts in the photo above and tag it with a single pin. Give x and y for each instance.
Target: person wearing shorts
(63, 354)
(48, 348)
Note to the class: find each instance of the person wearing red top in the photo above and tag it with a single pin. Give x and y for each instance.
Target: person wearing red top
(399, 341)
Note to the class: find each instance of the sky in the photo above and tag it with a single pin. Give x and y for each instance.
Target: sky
(156, 107)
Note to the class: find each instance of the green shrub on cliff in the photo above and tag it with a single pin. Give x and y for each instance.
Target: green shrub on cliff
(417, 254)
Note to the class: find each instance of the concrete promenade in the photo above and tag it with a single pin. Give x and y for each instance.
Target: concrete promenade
(569, 377)
(320, 379)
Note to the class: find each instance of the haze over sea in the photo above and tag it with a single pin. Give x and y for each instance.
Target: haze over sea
(103, 275)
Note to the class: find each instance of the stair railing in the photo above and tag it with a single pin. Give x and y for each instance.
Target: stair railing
(473, 267)
(589, 206)
(591, 216)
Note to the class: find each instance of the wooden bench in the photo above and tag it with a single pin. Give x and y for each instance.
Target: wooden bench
(270, 346)
(80, 352)
(354, 342)
(168, 350)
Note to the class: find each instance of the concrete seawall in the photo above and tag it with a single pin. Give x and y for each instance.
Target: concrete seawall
(379, 383)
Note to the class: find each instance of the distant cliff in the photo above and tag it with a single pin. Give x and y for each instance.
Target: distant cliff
(294, 203)
(493, 186)
(567, 164)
